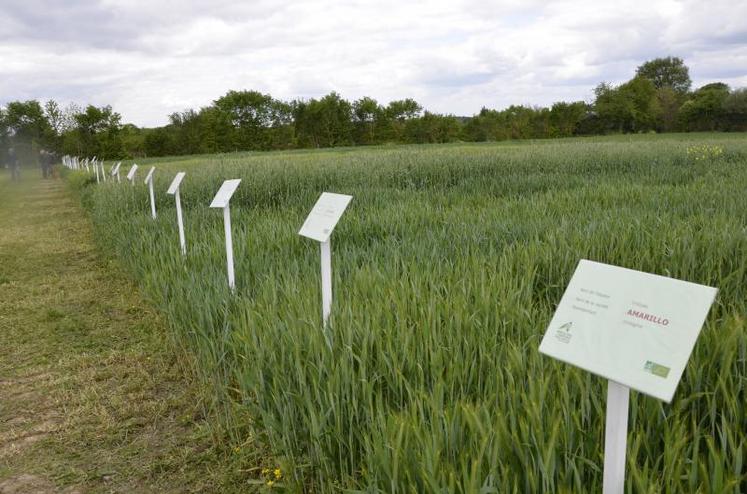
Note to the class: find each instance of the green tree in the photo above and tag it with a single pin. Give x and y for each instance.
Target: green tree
(669, 102)
(251, 114)
(187, 132)
(566, 117)
(215, 131)
(133, 141)
(631, 107)
(519, 120)
(326, 122)
(27, 129)
(396, 115)
(432, 128)
(735, 110)
(488, 125)
(96, 133)
(666, 72)
(704, 110)
(159, 142)
(367, 116)
(58, 124)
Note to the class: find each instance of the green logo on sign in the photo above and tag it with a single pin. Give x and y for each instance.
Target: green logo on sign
(656, 369)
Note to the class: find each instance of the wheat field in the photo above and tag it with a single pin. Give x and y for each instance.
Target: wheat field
(447, 267)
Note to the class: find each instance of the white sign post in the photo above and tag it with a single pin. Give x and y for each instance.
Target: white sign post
(174, 190)
(131, 174)
(96, 170)
(221, 200)
(319, 226)
(635, 329)
(115, 170)
(149, 181)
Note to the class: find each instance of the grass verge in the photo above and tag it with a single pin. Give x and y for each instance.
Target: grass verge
(93, 398)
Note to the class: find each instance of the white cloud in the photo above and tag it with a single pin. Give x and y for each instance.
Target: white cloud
(148, 59)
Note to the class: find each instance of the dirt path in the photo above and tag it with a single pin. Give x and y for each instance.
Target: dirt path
(91, 399)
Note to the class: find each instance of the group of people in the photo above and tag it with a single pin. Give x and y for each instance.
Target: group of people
(46, 162)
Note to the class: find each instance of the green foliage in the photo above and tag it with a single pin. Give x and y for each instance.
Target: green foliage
(256, 119)
(95, 132)
(447, 268)
(565, 118)
(656, 99)
(326, 122)
(704, 109)
(432, 128)
(367, 120)
(669, 72)
(735, 110)
(630, 107)
(668, 103)
(26, 129)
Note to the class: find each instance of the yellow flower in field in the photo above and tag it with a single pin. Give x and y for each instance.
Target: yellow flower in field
(270, 483)
(236, 449)
(265, 471)
(278, 473)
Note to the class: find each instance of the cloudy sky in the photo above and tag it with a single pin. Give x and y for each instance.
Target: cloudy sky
(149, 58)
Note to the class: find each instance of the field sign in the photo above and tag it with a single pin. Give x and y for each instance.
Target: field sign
(221, 200)
(131, 173)
(151, 193)
(149, 176)
(115, 170)
(224, 193)
(324, 216)
(319, 226)
(634, 328)
(174, 190)
(637, 330)
(176, 183)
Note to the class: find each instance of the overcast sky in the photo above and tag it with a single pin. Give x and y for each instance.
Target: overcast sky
(149, 58)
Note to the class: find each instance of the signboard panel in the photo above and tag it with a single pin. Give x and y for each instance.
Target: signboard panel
(115, 170)
(176, 183)
(324, 216)
(634, 328)
(224, 193)
(131, 173)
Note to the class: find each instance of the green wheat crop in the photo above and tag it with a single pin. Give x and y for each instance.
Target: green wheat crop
(447, 265)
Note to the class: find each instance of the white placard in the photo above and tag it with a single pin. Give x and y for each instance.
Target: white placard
(224, 193)
(131, 173)
(149, 176)
(324, 216)
(176, 183)
(634, 328)
(115, 169)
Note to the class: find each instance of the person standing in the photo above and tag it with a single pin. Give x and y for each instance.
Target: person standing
(15, 167)
(46, 164)
(43, 162)
(51, 159)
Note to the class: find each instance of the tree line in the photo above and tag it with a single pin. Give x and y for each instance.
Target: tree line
(659, 98)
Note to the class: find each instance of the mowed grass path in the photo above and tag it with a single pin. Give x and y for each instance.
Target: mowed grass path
(92, 398)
